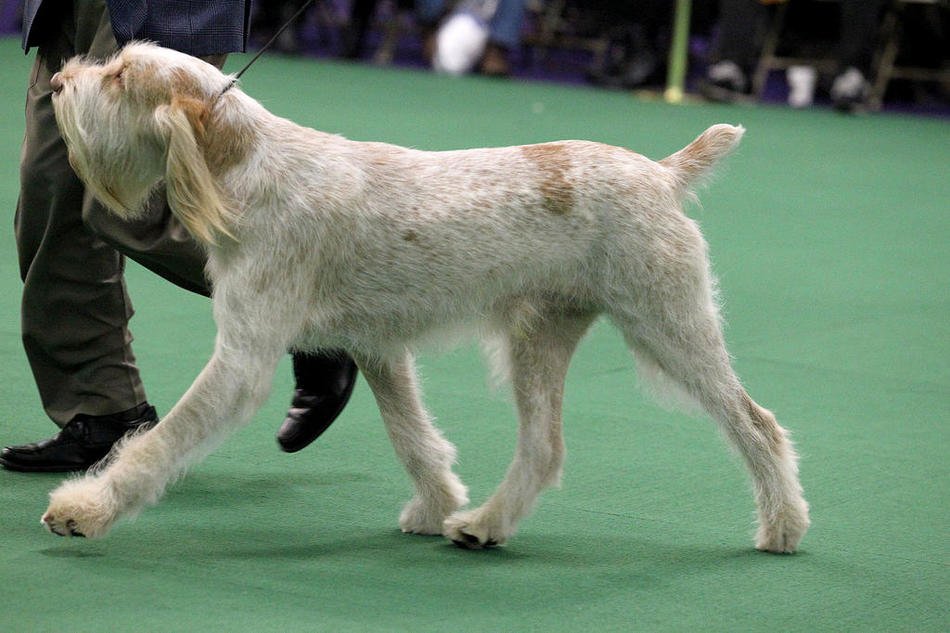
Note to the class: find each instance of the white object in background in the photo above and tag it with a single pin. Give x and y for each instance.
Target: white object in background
(460, 43)
(801, 85)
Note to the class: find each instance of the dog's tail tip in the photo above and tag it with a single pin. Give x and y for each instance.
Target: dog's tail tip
(727, 134)
(696, 160)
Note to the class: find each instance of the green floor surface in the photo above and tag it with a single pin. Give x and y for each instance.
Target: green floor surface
(831, 238)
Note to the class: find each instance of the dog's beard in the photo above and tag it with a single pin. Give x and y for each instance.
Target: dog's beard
(120, 170)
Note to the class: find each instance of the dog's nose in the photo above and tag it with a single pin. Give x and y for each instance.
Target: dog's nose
(56, 83)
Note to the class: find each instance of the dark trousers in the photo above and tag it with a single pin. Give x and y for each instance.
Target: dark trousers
(75, 308)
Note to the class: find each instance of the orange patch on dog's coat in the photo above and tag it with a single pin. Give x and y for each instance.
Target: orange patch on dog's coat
(553, 164)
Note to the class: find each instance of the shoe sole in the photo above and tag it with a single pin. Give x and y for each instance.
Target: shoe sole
(21, 468)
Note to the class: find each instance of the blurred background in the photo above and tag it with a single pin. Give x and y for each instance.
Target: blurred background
(854, 55)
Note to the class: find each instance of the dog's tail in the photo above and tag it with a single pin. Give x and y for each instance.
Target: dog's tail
(694, 162)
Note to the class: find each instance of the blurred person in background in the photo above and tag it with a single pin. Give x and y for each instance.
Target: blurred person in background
(741, 25)
(475, 34)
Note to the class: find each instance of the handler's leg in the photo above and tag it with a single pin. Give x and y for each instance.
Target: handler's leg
(75, 305)
(75, 308)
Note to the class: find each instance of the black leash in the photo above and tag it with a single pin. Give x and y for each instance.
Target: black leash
(264, 48)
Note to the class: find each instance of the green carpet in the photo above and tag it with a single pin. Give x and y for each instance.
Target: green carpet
(831, 237)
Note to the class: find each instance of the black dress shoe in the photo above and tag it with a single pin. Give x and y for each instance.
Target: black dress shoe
(324, 385)
(85, 440)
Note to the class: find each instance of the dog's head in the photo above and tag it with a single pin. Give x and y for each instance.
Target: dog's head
(143, 117)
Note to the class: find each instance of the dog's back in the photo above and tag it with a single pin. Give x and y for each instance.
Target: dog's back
(441, 238)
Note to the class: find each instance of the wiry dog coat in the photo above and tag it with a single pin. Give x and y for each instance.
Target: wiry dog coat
(318, 242)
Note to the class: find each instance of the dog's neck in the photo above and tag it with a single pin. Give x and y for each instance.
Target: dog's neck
(231, 84)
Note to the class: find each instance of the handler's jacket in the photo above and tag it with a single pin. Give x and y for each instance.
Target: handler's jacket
(196, 27)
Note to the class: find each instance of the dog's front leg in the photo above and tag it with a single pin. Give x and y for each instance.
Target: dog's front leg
(223, 397)
(426, 455)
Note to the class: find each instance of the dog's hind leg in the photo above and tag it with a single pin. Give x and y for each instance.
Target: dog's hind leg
(427, 456)
(538, 354)
(676, 334)
(754, 432)
(225, 395)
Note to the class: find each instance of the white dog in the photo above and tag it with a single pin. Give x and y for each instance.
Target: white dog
(318, 242)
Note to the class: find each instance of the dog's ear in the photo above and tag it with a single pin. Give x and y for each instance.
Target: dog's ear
(193, 194)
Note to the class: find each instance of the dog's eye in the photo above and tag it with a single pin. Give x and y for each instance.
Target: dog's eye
(115, 78)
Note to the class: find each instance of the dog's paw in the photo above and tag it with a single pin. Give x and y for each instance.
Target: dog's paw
(469, 530)
(782, 533)
(419, 517)
(424, 515)
(80, 507)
